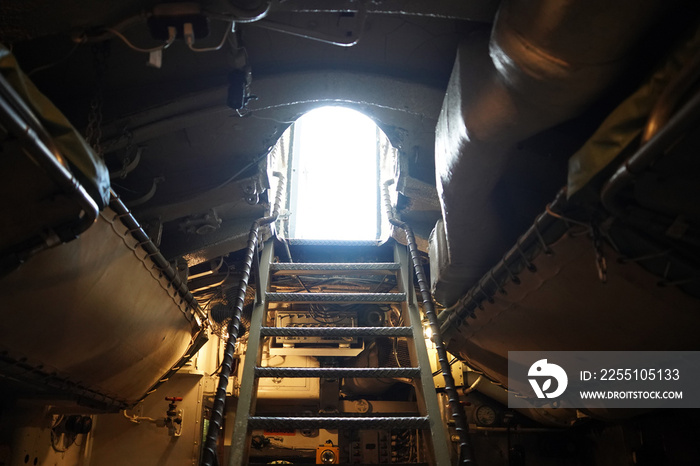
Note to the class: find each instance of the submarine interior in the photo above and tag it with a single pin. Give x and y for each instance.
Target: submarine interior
(183, 282)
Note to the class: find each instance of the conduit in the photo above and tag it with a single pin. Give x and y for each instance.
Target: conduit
(18, 119)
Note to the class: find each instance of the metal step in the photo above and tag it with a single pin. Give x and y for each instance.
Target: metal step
(338, 372)
(333, 242)
(335, 297)
(286, 268)
(336, 332)
(336, 422)
(355, 464)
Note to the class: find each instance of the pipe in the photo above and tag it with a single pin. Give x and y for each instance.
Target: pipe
(348, 41)
(148, 196)
(129, 166)
(137, 419)
(476, 11)
(472, 387)
(546, 64)
(211, 270)
(240, 14)
(213, 285)
(670, 98)
(461, 426)
(662, 130)
(19, 120)
(217, 413)
(106, 34)
(542, 64)
(679, 124)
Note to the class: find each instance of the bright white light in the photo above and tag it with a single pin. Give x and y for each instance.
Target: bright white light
(336, 175)
(427, 332)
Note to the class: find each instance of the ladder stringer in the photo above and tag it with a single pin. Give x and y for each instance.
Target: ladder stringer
(439, 445)
(247, 396)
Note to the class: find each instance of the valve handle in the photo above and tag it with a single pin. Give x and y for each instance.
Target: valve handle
(173, 398)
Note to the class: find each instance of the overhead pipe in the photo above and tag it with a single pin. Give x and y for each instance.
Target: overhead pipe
(243, 12)
(542, 64)
(209, 457)
(352, 39)
(476, 10)
(19, 120)
(128, 166)
(662, 129)
(461, 425)
(684, 120)
(148, 196)
(671, 97)
(212, 270)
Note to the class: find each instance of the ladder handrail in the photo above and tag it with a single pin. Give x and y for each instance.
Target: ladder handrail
(217, 414)
(461, 426)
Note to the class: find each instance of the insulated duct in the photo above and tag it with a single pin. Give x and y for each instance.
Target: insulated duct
(543, 63)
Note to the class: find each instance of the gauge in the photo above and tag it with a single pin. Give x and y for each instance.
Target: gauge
(485, 415)
(327, 457)
(327, 454)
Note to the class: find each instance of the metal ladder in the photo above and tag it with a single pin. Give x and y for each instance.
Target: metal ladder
(429, 421)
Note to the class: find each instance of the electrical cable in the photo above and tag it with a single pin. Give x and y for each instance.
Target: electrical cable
(172, 34)
(189, 38)
(137, 419)
(439, 371)
(549, 210)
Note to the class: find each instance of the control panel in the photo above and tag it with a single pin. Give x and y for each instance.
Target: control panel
(327, 345)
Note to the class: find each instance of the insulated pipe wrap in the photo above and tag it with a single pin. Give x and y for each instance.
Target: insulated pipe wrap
(558, 55)
(542, 64)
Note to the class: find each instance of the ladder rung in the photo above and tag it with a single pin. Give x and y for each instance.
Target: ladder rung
(333, 242)
(336, 297)
(356, 464)
(283, 268)
(336, 332)
(338, 372)
(374, 423)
